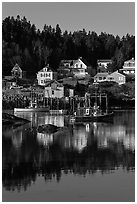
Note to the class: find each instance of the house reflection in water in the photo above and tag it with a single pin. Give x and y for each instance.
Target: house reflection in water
(80, 138)
(116, 133)
(57, 120)
(45, 138)
(72, 138)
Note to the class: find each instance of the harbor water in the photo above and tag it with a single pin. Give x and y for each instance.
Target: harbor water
(92, 162)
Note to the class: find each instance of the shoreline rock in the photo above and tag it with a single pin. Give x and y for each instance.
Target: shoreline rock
(8, 119)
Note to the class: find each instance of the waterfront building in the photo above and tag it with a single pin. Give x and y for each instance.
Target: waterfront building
(129, 67)
(54, 89)
(46, 74)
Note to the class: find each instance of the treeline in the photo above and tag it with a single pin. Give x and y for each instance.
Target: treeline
(31, 48)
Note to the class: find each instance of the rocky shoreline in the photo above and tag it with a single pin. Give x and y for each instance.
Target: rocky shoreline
(8, 119)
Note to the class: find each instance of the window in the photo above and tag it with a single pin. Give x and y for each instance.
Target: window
(81, 65)
(104, 77)
(41, 81)
(41, 75)
(120, 78)
(100, 78)
(76, 65)
(52, 92)
(47, 74)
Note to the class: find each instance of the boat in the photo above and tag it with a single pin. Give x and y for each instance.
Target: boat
(58, 112)
(91, 117)
(33, 107)
(92, 114)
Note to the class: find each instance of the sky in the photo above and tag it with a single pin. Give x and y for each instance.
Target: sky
(117, 18)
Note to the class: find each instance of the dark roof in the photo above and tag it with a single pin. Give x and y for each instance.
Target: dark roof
(84, 61)
(71, 82)
(49, 69)
(62, 62)
(71, 62)
(101, 74)
(52, 81)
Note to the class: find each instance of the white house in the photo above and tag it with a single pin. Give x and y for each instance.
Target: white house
(46, 74)
(77, 67)
(114, 77)
(129, 67)
(117, 77)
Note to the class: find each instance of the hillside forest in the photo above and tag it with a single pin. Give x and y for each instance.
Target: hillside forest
(31, 48)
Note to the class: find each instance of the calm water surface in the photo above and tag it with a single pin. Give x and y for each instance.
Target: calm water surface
(83, 162)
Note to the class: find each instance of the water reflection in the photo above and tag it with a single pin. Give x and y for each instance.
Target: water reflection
(74, 149)
(45, 139)
(42, 118)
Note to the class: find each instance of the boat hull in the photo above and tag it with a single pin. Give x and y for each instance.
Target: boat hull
(44, 109)
(58, 112)
(100, 118)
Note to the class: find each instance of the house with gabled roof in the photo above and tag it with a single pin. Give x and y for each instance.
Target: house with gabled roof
(54, 89)
(46, 74)
(114, 77)
(78, 67)
(117, 77)
(16, 71)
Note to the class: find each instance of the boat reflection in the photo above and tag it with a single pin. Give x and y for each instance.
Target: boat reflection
(116, 133)
(73, 149)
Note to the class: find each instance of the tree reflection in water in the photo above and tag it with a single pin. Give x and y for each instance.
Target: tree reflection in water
(82, 149)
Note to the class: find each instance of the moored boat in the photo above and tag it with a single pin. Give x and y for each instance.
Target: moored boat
(100, 117)
(58, 112)
(32, 108)
(42, 109)
(92, 114)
